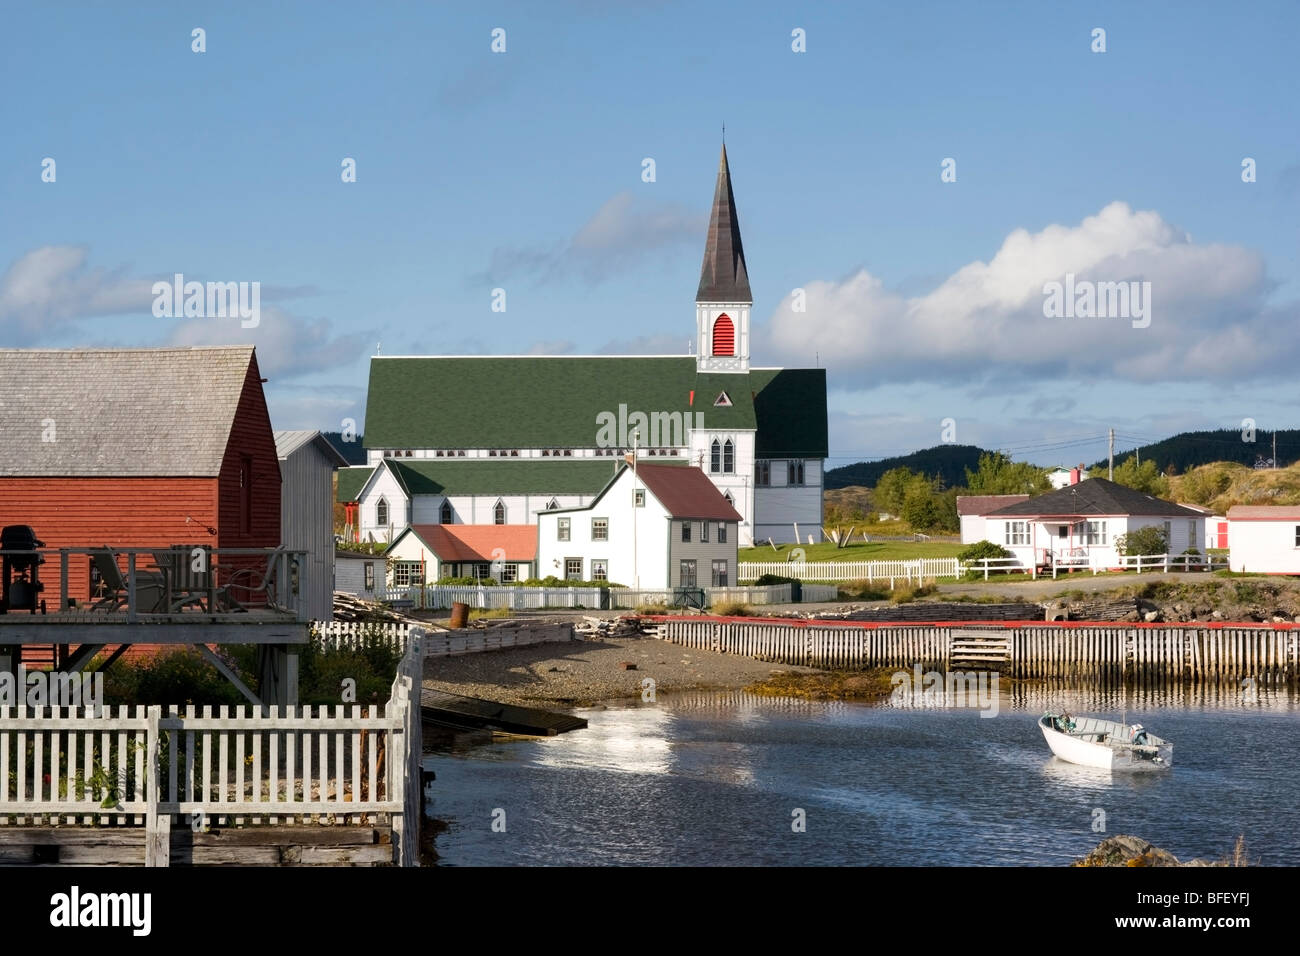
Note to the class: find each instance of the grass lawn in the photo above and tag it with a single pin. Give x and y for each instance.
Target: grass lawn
(873, 551)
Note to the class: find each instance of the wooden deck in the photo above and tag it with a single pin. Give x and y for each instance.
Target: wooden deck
(255, 626)
(474, 713)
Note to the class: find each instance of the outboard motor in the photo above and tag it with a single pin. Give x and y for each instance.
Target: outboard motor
(20, 584)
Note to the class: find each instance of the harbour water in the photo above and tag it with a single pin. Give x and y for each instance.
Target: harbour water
(727, 778)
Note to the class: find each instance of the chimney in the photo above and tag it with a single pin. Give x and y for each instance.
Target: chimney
(1074, 476)
(630, 459)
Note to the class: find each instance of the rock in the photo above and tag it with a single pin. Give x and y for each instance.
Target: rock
(1125, 850)
(1150, 616)
(1279, 619)
(627, 665)
(1219, 617)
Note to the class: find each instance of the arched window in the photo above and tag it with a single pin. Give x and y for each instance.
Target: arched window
(381, 512)
(446, 517)
(728, 457)
(715, 457)
(499, 512)
(724, 336)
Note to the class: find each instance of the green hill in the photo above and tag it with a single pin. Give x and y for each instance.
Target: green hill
(949, 462)
(1191, 449)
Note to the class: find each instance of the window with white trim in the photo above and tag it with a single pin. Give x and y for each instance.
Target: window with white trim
(381, 512)
(599, 569)
(763, 473)
(1017, 532)
(704, 531)
(562, 529)
(722, 532)
(499, 512)
(573, 569)
(794, 471)
(1094, 532)
(599, 529)
(407, 573)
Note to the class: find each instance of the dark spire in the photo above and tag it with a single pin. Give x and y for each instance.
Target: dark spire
(723, 277)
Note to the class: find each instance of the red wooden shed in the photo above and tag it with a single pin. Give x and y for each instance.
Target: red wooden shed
(137, 448)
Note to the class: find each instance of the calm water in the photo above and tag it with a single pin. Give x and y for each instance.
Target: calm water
(702, 779)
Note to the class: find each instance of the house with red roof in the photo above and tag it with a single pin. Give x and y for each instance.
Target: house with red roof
(651, 526)
(424, 553)
(1264, 539)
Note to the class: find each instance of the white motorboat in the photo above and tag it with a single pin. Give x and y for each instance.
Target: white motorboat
(1107, 744)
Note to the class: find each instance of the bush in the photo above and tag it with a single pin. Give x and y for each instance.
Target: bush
(1148, 540)
(907, 593)
(372, 663)
(732, 609)
(177, 677)
(468, 582)
(981, 550)
(768, 580)
(551, 581)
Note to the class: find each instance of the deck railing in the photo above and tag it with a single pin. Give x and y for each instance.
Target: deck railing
(166, 580)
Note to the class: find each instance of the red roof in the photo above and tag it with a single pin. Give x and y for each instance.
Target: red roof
(983, 504)
(477, 542)
(1264, 513)
(686, 492)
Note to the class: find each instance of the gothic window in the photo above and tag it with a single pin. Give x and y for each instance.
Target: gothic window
(381, 512)
(728, 457)
(715, 457)
(499, 512)
(724, 336)
(446, 517)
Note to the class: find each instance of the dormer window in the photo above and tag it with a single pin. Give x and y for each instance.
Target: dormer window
(722, 401)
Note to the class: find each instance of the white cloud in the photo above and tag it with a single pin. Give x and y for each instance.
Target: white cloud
(287, 345)
(49, 288)
(986, 321)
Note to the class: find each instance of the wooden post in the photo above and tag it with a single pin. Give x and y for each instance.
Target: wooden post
(157, 826)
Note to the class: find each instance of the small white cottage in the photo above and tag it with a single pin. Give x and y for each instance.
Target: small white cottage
(653, 526)
(1264, 539)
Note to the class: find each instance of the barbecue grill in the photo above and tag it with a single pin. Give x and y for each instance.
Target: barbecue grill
(20, 584)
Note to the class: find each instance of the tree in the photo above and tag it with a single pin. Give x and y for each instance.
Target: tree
(891, 489)
(999, 475)
(1145, 477)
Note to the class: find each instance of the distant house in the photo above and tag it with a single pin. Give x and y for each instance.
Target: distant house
(1264, 539)
(1060, 477)
(1081, 522)
(360, 574)
(659, 526)
(424, 553)
(137, 448)
(971, 510)
(382, 502)
(307, 463)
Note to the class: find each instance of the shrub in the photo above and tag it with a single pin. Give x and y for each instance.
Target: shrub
(907, 593)
(468, 582)
(1148, 540)
(176, 677)
(773, 579)
(981, 550)
(732, 609)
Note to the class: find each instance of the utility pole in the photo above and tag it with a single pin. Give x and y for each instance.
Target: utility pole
(1275, 451)
(636, 573)
(1112, 455)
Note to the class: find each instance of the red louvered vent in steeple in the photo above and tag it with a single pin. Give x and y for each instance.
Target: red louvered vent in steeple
(724, 336)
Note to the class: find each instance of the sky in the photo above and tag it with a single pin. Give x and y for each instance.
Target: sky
(922, 286)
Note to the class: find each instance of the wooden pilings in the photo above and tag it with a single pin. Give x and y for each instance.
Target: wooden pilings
(1144, 654)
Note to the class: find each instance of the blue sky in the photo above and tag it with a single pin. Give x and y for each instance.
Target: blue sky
(522, 170)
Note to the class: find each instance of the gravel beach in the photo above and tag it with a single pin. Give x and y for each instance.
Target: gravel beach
(584, 672)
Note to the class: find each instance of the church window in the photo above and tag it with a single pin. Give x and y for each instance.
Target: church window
(715, 457)
(762, 473)
(381, 512)
(724, 336)
(728, 457)
(446, 516)
(499, 513)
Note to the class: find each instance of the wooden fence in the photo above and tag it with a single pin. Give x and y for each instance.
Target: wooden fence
(529, 598)
(916, 569)
(238, 766)
(1267, 654)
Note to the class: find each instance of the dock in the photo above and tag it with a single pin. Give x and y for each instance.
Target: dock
(474, 713)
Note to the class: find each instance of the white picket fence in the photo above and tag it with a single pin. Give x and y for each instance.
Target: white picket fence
(914, 569)
(154, 766)
(339, 635)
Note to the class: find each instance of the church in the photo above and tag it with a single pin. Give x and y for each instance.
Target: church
(549, 432)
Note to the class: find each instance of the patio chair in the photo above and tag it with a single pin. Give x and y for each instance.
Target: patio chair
(188, 587)
(249, 581)
(150, 586)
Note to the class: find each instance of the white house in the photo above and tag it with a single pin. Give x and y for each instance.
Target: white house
(655, 526)
(1216, 526)
(359, 574)
(307, 463)
(1264, 538)
(424, 553)
(1082, 521)
(971, 510)
(1060, 477)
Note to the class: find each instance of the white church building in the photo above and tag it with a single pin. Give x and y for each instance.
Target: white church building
(551, 431)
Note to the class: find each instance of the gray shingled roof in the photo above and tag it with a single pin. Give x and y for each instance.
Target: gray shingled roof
(287, 441)
(723, 277)
(118, 412)
(1093, 496)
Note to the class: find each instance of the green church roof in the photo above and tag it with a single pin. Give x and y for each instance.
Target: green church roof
(561, 402)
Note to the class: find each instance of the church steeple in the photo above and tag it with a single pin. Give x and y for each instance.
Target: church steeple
(723, 277)
(723, 299)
